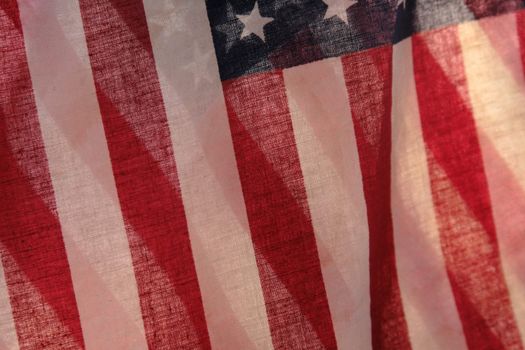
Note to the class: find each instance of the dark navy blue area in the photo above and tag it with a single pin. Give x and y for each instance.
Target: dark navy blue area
(298, 32)
(404, 21)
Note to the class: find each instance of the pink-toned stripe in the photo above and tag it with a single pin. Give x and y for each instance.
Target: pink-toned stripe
(144, 167)
(327, 150)
(496, 84)
(460, 193)
(8, 339)
(217, 222)
(278, 212)
(431, 314)
(80, 167)
(368, 76)
(31, 245)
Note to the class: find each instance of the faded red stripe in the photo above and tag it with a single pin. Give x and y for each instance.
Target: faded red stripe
(32, 250)
(368, 76)
(520, 19)
(143, 163)
(278, 213)
(460, 193)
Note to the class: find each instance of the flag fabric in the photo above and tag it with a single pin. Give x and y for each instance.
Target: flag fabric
(262, 174)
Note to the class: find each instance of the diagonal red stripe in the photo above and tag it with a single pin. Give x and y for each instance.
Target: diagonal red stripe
(520, 25)
(32, 249)
(460, 194)
(368, 77)
(143, 163)
(278, 213)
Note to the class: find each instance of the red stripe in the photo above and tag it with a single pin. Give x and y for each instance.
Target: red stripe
(520, 19)
(460, 193)
(32, 250)
(143, 163)
(278, 213)
(368, 77)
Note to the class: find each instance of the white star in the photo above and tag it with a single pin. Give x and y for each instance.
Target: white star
(404, 2)
(254, 23)
(338, 8)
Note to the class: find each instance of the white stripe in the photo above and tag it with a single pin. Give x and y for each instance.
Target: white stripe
(8, 338)
(80, 167)
(327, 150)
(211, 190)
(431, 314)
(497, 94)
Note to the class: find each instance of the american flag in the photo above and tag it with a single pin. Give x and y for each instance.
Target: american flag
(262, 174)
